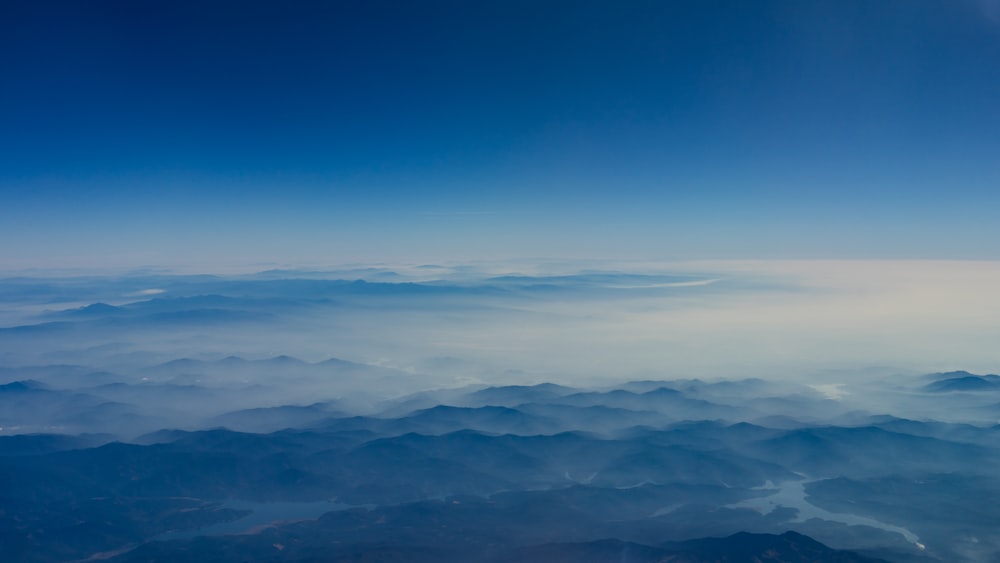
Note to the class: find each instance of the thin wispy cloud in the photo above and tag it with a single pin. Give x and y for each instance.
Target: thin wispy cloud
(147, 292)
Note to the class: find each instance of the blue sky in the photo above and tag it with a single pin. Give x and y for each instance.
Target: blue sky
(165, 133)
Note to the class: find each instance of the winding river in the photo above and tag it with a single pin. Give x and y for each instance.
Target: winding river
(792, 494)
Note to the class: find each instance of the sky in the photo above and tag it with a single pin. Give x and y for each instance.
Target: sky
(181, 133)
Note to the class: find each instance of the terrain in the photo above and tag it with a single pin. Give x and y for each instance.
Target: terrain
(113, 447)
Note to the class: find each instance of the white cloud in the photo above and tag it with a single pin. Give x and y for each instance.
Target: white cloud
(150, 291)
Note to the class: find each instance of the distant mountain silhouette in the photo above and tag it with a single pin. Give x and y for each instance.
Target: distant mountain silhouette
(22, 386)
(964, 381)
(96, 310)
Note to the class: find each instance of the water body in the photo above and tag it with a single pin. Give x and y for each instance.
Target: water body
(792, 494)
(263, 513)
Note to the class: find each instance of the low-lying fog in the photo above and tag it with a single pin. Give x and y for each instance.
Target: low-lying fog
(849, 401)
(844, 331)
(787, 320)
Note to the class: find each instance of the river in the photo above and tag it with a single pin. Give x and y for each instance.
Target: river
(792, 494)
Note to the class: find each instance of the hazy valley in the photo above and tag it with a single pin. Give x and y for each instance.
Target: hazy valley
(114, 447)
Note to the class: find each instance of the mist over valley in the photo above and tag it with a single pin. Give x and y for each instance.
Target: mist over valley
(151, 417)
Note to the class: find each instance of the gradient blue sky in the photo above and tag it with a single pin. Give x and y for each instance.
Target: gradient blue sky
(181, 132)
